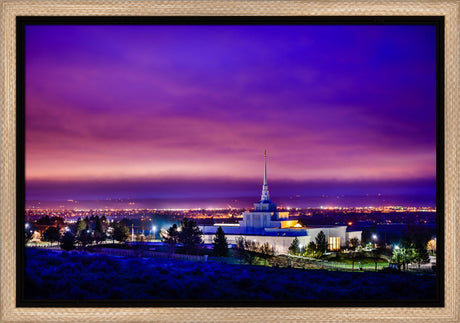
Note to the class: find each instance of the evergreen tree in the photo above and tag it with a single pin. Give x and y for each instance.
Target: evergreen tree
(120, 232)
(67, 242)
(51, 235)
(421, 256)
(220, 244)
(190, 235)
(321, 243)
(103, 219)
(84, 237)
(311, 249)
(171, 237)
(98, 232)
(294, 247)
(81, 225)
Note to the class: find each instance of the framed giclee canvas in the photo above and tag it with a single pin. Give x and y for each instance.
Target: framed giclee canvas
(226, 161)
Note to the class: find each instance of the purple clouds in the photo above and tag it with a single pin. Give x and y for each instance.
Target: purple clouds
(329, 103)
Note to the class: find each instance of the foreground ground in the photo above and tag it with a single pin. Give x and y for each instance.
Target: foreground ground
(72, 275)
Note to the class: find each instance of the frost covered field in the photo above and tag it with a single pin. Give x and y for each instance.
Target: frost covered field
(71, 275)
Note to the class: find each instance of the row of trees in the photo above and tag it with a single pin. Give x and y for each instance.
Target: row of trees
(84, 233)
(313, 250)
(189, 236)
(187, 233)
(251, 251)
(89, 231)
(403, 256)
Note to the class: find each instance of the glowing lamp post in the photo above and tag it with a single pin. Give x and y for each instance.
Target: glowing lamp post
(154, 229)
(374, 237)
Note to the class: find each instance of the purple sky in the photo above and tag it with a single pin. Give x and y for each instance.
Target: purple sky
(186, 111)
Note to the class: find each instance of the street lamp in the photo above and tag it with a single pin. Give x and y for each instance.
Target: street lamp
(374, 237)
(154, 229)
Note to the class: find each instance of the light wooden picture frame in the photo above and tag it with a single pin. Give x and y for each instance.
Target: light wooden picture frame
(450, 10)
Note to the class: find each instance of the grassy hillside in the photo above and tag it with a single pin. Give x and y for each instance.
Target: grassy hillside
(72, 275)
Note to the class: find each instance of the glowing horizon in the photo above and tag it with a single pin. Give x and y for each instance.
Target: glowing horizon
(154, 105)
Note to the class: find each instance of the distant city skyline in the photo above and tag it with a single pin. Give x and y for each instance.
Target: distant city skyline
(185, 112)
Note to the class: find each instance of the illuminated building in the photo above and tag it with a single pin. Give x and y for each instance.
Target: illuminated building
(266, 224)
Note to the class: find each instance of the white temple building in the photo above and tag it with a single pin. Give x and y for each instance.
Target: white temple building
(266, 224)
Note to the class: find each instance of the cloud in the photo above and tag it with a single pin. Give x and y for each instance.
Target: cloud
(133, 102)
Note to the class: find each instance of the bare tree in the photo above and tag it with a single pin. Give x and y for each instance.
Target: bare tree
(267, 251)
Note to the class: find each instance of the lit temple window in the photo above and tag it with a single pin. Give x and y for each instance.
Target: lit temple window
(334, 243)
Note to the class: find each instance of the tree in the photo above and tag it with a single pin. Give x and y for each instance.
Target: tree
(28, 235)
(81, 225)
(239, 248)
(247, 250)
(403, 256)
(171, 237)
(311, 249)
(408, 256)
(321, 243)
(267, 252)
(120, 232)
(84, 237)
(190, 235)
(51, 235)
(220, 248)
(294, 247)
(421, 256)
(354, 242)
(29, 232)
(45, 220)
(98, 231)
(104, 220)
(67, 241)
(397, 257)
(431, 245)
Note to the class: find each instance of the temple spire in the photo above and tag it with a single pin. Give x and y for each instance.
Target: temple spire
(265, 195)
